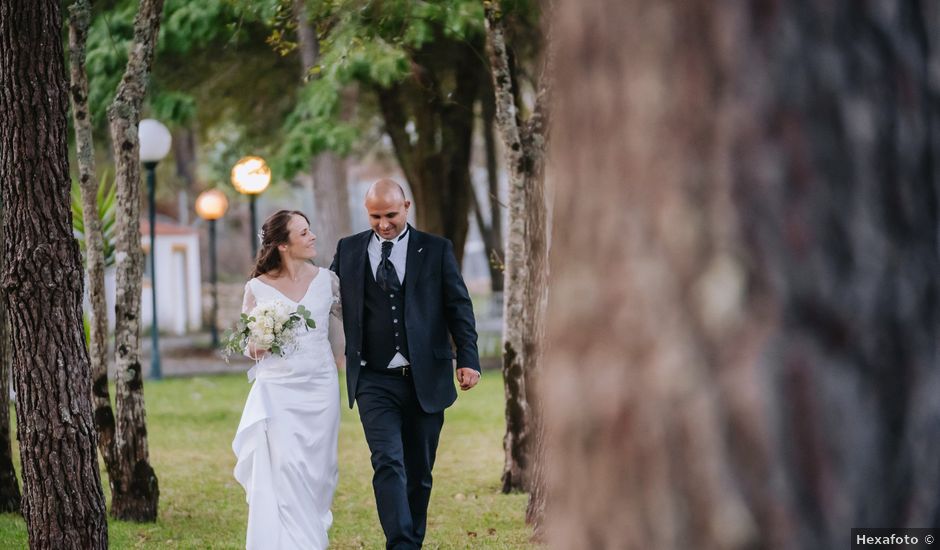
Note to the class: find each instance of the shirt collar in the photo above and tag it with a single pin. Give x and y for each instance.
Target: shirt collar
(396, 239)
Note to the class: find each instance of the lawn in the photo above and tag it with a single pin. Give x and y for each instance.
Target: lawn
(191, 422)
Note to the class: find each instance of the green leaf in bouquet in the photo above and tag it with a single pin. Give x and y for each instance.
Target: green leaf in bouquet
(311, 323)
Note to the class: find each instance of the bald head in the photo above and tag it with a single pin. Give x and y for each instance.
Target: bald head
(387, 208)
(386, 189)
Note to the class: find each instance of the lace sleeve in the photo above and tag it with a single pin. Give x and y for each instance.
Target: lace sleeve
(248, 303)
(336, 309)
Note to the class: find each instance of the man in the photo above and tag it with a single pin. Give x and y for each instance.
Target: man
(403, 299)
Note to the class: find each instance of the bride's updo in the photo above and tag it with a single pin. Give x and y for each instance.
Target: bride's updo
(274, 232)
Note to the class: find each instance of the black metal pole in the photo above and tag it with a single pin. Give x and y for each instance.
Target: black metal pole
(215, 287)
(154, 327)
(254, 227)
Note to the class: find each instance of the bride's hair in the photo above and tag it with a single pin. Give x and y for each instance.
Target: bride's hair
(274, 232)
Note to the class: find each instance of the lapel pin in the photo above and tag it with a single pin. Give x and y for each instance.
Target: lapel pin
(420, 249)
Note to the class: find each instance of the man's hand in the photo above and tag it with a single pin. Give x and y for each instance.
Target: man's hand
(467, 378)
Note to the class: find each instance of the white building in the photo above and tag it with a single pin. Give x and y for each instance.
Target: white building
(179, 297)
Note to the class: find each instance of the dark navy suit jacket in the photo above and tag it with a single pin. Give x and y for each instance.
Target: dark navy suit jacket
(437, 308)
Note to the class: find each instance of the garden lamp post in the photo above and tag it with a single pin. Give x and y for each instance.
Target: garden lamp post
(251, 176)
(155, 143)
(211, 205)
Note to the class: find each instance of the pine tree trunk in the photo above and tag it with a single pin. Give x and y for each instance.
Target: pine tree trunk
(10, 497)
(526, 261)
(135, 490)
(79, 19)
(745, 312)
(63, 502)
(330, 189)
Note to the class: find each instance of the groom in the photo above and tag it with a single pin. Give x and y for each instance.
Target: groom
(403, 300)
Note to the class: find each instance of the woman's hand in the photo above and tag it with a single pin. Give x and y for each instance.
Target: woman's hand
(256, 352)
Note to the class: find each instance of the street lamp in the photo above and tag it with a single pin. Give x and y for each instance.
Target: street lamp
(155, 143)
(211, 205)
(251, 177)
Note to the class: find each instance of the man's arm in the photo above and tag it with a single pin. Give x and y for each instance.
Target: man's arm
(334, 267)
(458, 310)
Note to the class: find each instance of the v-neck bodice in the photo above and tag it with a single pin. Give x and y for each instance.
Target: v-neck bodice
(318, 299)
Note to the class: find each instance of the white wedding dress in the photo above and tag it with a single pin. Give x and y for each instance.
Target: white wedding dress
(286, 441)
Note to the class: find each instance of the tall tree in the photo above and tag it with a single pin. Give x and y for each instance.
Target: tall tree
(79, 19)
(526, 269)
(135, 491)
(752, 199)
(63, 502)
(421, 65)
(328, 169)
(10, 496)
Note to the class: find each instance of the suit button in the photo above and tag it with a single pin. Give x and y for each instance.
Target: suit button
(397, 348)
(395, 321)
(357, 353)
(396, 334)
(391, 295)
(393, 308)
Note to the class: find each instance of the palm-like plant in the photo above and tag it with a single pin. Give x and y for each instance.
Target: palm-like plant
(106, 201)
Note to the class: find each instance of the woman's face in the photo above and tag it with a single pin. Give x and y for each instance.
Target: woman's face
(300, 241)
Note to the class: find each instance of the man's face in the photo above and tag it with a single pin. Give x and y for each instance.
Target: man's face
(388, 214)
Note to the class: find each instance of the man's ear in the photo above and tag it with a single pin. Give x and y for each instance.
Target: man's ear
(407, 204)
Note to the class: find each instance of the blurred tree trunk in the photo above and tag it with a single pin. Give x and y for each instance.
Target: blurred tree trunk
(63, 503)
(185, 153)
(135, 492)
(492, 233)
(330, 188)
(435, 154)
(752, 206)
(526, 267)
(10, 496)
(79, 19)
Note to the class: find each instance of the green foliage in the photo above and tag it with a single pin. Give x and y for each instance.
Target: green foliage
(178, 107)
(187, 28)
(106, 201)
(373, 44)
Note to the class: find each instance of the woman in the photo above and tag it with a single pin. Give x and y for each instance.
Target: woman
(286, 441)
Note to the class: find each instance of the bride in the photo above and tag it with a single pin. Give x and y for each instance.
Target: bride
(286, 441)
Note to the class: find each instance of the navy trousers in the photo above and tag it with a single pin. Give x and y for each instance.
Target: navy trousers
(403, 441)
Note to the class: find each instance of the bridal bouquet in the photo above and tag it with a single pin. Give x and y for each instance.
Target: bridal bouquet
(270, 325)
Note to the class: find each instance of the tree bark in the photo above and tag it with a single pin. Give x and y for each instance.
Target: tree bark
(79, 19)
(10, 497)
(135, 490)
(753, 208)
(63, 502)
(526, 269)
(330, 188)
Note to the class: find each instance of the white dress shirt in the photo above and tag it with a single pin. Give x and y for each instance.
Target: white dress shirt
(398, 257)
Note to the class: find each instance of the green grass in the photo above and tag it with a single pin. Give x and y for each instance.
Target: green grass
(191, 422)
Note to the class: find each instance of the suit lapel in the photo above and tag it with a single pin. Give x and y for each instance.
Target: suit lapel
(414, 261)
(361, 257)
